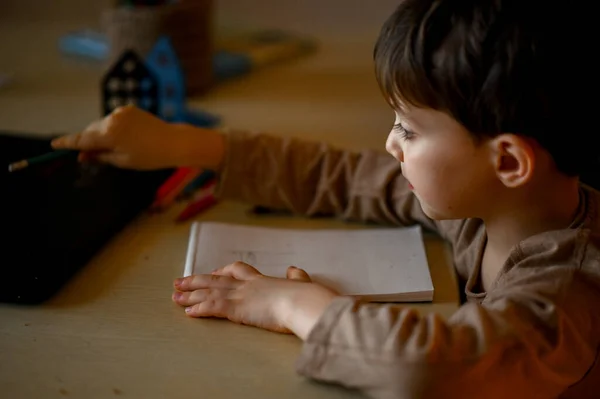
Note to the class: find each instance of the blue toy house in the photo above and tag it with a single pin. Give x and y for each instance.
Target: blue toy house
(164, 64)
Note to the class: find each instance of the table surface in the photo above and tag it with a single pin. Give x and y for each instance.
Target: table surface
(113, 330)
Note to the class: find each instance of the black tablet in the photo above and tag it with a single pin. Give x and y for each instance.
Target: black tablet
(55, 216)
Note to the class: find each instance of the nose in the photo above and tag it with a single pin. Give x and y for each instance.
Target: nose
(394, 147)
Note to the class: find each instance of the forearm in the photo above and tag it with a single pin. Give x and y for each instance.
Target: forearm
(304, 177)
(495, 351)
(315, 179)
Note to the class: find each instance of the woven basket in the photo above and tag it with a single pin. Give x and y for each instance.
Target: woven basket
(189, 25)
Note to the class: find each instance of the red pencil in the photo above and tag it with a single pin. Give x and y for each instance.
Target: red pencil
(204, 200)
(168, 185)
(173, 186)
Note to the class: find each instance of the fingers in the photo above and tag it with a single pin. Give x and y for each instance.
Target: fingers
(243, 271)
(207, 302)
(93, 138)
(228, 277)
(201, 281)
(189, 298)
(221, 308)
(238, 270)
(295, 273)
(89, 140)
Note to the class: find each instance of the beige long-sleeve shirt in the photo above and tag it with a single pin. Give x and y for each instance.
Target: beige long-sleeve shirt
(534, 334)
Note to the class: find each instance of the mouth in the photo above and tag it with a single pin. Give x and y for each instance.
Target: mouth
(411, 186)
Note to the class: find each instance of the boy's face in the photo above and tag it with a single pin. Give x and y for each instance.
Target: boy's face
(452, 176)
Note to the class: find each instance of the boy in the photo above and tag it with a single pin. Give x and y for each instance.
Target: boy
(484, 160)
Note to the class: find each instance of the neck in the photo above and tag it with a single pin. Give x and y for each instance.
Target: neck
(548, 205)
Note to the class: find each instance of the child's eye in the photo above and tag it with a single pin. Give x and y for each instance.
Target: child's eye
(405, 134)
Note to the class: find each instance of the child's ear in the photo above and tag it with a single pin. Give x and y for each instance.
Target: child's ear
(513, 158)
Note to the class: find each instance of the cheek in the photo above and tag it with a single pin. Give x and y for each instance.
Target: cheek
(435, 173)
(447, 183)
(423, 164)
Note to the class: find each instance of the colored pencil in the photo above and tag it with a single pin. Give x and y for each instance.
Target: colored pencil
(173, 186)
(15, 166)
(199, 182)
(202, 201)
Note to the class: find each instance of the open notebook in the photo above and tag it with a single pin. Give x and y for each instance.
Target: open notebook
(380, 264)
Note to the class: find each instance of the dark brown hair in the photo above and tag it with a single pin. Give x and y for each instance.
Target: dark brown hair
(496, 66)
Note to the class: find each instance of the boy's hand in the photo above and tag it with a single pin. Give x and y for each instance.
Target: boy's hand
(242, 294)
(132, 138)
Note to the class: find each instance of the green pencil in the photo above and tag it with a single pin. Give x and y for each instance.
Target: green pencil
(13, 167)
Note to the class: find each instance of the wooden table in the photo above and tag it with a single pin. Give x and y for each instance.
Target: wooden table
(113, 330)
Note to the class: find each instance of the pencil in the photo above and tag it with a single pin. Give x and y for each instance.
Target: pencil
(202, 201)
(200, 181)
(196, 207)
(173, 186)
(13, 167)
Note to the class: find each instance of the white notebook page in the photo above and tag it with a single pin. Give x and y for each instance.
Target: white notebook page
(378, 261)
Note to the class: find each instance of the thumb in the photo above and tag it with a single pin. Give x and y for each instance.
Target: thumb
(295, 273)
(117, 159)
(239, 271)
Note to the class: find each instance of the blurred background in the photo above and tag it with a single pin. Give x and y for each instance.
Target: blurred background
(329, 92)
(331, 18)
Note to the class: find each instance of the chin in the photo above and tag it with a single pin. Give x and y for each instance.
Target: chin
(434, 214)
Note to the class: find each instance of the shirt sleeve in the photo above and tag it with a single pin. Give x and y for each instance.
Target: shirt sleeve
(315, 179)
(531, 338)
